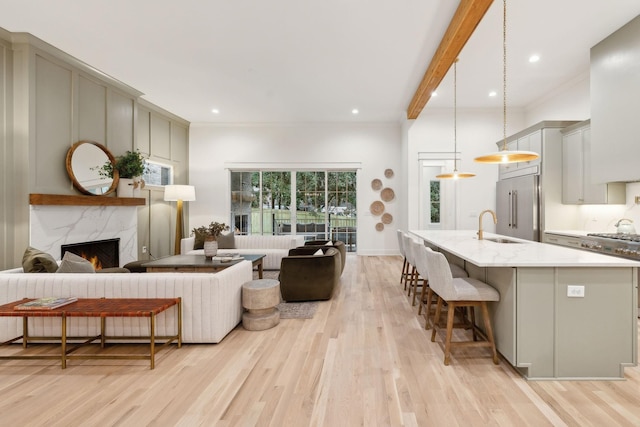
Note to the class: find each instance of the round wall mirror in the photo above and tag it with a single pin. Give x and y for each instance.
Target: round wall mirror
(84, 161)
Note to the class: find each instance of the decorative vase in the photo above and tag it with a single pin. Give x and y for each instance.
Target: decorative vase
(125, 187)
(210, 247)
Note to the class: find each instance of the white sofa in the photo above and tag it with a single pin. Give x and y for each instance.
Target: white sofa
(211, 303)
(274, 247)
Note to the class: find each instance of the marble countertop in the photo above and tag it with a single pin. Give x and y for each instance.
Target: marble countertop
(485, 253)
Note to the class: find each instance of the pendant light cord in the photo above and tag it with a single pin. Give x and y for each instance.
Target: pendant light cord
(504, 74)
(455, 116)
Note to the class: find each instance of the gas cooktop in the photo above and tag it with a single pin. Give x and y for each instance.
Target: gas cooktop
(617, 244)
(617, 236)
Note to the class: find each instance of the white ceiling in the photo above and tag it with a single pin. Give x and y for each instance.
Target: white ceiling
(301, 61)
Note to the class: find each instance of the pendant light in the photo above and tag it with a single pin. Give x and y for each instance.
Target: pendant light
(455, 174)
(505, 155)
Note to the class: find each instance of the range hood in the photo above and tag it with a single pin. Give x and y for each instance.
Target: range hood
(615, 106)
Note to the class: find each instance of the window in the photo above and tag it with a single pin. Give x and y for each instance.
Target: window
(434, 202)
(157, 173)
(325, 202)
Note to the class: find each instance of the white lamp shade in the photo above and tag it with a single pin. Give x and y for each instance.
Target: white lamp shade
(173, 193)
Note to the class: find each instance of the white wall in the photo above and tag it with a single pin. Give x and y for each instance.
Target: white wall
(568, 102)
(477, 134)
(375, 147)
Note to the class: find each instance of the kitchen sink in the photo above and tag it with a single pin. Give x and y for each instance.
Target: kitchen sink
(499, 240)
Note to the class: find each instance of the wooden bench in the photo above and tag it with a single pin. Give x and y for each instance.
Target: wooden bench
(95, 307)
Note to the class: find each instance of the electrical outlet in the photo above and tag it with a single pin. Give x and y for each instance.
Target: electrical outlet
(144, 249)
(575, 291)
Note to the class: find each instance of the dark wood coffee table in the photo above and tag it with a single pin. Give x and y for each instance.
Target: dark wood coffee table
(199, 264)
(95, 307)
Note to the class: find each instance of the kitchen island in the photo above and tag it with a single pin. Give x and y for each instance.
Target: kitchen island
(563, 313)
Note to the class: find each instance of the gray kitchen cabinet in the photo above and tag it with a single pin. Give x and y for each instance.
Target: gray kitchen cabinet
(527, 142)
(577, 185)
(615, 103)
(562, 240)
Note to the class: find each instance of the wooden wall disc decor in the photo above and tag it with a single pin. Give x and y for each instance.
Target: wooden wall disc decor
(376, 184)
(387, 194)
(387, 218)
(379, 226)
(377, 208)
(388, 173)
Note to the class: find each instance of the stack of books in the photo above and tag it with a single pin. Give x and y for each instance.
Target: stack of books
(47, 303)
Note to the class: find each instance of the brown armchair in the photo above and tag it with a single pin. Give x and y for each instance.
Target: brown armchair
(308, 277)
(336, 244)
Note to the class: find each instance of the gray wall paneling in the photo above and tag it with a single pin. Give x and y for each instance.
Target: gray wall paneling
(160, 137)
(48, 101)
(6, 155)
(54, 123)
(92, 110)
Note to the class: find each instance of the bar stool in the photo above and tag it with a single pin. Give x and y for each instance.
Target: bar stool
(459, 292)
(405, 264)
(421, 266)
(414, 278)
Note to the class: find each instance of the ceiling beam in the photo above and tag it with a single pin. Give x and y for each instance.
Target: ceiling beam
(462, 25)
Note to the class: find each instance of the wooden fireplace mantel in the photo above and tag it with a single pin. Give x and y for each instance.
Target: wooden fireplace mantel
(73, 200)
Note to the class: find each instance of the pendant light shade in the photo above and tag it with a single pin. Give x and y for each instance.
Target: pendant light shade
(455, 174)
(505, 155)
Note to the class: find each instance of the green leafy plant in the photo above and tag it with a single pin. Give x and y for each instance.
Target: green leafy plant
(129, 165)
(214, 229)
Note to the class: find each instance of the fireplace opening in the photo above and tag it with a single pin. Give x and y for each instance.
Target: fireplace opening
(101, 253)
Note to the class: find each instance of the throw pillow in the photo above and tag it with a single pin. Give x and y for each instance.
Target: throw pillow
(72, 263)
(199, 243)
(36, 261)
(318, 252)
(227, 241)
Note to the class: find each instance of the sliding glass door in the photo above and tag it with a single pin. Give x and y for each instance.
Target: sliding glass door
(324, 201)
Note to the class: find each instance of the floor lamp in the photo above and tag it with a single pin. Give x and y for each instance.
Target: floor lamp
(179, 193)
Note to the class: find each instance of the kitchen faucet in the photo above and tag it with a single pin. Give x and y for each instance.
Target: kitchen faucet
(495, 221)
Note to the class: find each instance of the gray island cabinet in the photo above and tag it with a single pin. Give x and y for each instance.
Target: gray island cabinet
(563, 313)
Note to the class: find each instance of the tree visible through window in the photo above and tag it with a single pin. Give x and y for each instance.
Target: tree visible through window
(434, 201)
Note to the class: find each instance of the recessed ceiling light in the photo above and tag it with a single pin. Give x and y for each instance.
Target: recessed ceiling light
(355, 111)
(215, 111)
(534, 58)
(493, 93)
(434, 93)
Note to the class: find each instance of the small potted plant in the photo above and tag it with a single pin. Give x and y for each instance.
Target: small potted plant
(210, 235)
(130, 167)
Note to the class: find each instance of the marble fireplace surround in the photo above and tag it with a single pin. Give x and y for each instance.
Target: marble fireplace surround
(53, 224)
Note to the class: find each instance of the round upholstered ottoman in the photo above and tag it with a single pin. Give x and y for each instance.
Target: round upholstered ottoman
(260, 297)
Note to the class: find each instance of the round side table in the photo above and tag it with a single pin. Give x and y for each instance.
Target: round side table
(260, 297)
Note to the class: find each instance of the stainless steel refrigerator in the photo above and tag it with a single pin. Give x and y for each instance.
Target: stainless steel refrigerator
(518, 207)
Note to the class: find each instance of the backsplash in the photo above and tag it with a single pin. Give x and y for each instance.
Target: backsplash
(53, 226)
(602, 218)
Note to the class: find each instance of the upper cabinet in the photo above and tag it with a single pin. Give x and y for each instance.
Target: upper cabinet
(577, 184)
(528, 142)
(542, 138)
(615, 103)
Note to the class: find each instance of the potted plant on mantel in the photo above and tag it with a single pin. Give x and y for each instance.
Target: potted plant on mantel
(210, 235)
(130, 167)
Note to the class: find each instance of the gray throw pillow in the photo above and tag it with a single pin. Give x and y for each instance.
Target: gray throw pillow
(72, 263)
(226, 241)
(36, 261)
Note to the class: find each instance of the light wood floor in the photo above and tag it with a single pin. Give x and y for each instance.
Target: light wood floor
(363, 360)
